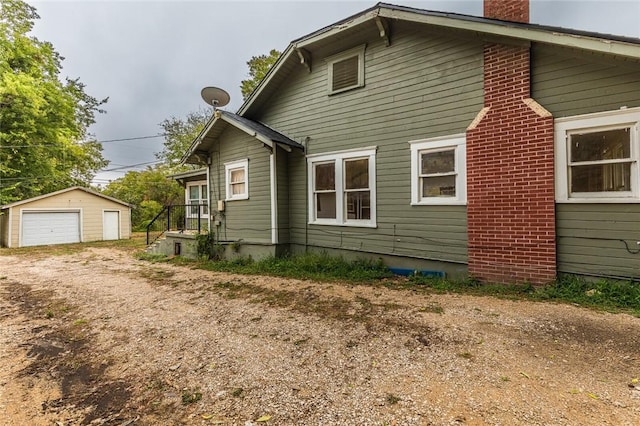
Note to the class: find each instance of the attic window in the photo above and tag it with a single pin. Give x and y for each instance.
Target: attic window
(346, 70)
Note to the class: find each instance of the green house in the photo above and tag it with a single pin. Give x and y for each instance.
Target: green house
(441, 142)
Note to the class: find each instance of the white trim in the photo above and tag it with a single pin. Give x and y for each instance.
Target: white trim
(187, 197)
(119, 222)
(52, 210)
(209, 203)
(234, 165)
(10, 225)
(458, 144)
(274, 196)
(595, 122)
(347, 54)
(339, 157)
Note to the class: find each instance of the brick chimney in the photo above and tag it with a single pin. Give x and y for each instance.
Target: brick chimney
(510, 173)
(507, 10)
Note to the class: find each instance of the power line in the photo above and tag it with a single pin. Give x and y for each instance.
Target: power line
(132, 139)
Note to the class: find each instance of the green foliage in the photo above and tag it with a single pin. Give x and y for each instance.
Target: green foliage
(259, 66)
(179, 134)
(207, 246)
(43, 120)
(607, 294)
(317, 266)
(148, 190)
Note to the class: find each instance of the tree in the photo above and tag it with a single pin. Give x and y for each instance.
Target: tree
(43, 120)
(148, 190)
(179, 134)
(258, 68)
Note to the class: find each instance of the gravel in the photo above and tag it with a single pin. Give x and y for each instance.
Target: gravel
(98, 337)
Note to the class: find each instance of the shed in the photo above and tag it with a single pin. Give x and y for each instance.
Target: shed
(70, 215)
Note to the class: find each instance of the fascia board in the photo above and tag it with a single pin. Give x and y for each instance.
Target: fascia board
(601, 45)
(290, 50)
(214, 119)
(249, 131)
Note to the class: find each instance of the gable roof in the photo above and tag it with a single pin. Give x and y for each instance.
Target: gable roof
(62, 191)
(491, 29)
(222, 119)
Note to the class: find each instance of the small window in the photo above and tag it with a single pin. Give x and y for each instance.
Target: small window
(342, 188)
(346, 70)
(597, 156)
(438, 171)
(237, 180)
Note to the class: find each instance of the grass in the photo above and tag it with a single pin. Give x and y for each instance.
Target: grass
(608, 295)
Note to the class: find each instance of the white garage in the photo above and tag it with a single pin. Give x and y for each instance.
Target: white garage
(72, 215)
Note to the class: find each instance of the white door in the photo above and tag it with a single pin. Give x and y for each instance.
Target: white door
(110, 225)
(44, 228)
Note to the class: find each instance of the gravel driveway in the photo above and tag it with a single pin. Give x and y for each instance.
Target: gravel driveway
(98, 337)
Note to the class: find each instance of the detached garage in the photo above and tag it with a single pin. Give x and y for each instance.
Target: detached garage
(71, 215)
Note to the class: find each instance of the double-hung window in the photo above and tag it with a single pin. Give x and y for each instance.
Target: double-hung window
(237, 180)
(597, 157)
(438, 171)
(342, 188)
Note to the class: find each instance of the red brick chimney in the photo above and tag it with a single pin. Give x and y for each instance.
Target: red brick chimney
(507, 10)
(510, 174)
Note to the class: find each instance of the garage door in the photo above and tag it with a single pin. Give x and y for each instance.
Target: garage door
(43, 228)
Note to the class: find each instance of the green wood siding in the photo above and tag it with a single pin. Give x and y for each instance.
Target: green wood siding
(567, 82)
(282, 164)
(599, 239)
(423, 85)
(249, 220)
(590, 237)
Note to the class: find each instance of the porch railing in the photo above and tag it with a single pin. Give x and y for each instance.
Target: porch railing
(180, 218)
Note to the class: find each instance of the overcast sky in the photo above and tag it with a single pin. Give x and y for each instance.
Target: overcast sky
(152, 58)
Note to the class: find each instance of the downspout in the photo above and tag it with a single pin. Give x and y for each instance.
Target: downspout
(274, 195)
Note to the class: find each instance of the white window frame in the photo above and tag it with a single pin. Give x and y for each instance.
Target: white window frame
(339, 158)
(458, 143)
(608, 120)
(228, 168)
(356, 51)
(204, 208)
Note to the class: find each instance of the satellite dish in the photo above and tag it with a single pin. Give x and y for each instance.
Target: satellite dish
(215, 96)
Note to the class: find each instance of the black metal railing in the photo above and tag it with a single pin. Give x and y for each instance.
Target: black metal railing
(180, 218)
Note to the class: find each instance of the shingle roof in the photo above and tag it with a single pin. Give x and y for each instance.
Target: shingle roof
(261, 129)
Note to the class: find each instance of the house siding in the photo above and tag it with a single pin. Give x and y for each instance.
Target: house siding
(248, 220)
(567, 82)
(91, 206)
(424, 85)
(282, 179)
(596, 239)
(590, 236)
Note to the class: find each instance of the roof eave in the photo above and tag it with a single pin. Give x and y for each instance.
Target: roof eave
(491, 27)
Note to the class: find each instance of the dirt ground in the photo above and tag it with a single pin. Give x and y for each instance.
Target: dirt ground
(98, 337)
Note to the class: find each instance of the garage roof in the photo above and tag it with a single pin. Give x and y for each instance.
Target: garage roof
(62, 191)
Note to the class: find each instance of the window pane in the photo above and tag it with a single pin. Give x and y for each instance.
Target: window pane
(357, 174)
(345, 73)
(203, 192)
(326, 205)
(237, 176)
(237, 188)
(440, 186)
(604, 145)
(359, 205)
(601, 177)
(193, 193)
(325, 177)
(438, 162)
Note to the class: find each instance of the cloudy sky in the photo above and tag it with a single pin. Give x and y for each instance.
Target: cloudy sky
(152, 58)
